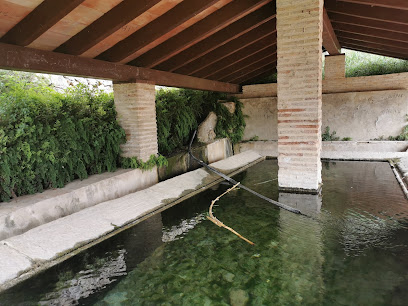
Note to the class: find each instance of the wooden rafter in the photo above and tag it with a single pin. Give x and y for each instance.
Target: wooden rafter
(372, 12)
(106, 25)
(395, 4)
(28, 59)
(203, 65)
(330, 42)
(403, 37)
(124, 50)
(360, 47)
(236, 77)
(256, 72)
(259, 77)
(200, 30)
(38, 21)
(235, 57)
(219, 38)
(393, 45)
(242, 64)
(369, 23)
(403, 53)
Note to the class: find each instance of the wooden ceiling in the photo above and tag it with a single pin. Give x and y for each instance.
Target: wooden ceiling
(229, 41)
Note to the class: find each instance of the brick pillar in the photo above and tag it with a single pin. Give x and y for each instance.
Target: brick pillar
(299, 29)
(335, 66)
(135, 105)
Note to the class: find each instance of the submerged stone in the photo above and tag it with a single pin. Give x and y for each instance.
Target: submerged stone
(238, 297)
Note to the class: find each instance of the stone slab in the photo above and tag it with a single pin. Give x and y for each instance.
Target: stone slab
(11, 263)
(62, 237)
(27, 212)
(347, 150)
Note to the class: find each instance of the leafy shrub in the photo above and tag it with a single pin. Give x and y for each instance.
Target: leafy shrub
(179, 112)
(48, 139)
(327, 136)
(401, 137)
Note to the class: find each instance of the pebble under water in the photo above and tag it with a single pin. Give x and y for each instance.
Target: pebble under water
(350, 249)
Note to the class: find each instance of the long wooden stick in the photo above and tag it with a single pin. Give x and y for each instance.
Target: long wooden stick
(213, 219)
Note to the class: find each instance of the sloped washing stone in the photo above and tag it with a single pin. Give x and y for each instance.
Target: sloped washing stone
(28, 212)
(49, 242)
(12, 263)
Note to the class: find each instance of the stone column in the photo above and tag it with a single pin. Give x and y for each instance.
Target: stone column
(335, 67)
(299, 30)
(135, 105)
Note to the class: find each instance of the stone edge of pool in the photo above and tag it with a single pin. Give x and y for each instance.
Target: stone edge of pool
(40, 248)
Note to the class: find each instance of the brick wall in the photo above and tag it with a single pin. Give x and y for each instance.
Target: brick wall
(393, 81)
(299, 30)
(335, 67)
(135, 104)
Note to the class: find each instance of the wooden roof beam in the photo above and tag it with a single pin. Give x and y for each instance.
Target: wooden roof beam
(237, 56)
(234, 30)
(109, 23)
(259, 77)
(124, 50)
(241, 65)
(403, 37)
(366, 11)
(360, 47)
(392, 44)
(369, 23)
(28, 59)
(204, 65)
(236, 77)
(395, 4)
(330, 42)
(256, 72)
(38, 21)
(399, 52)
(198, 31)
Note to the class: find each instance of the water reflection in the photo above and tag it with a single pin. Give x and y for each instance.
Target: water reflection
(308, 204)
(350, 249)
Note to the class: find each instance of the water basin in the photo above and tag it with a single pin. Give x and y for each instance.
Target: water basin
(350, 248)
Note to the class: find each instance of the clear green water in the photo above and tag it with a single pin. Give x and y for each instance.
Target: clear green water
(352, 250)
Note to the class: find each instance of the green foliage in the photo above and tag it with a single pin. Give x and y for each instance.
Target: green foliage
(179, 112)
(327, 136)
(365, 64)
(401, 137)
(229, 125)
(48, 139)
(134, 162)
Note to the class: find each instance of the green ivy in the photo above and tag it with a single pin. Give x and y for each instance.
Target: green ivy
(179, 112)
(48, 139)
(134, 162)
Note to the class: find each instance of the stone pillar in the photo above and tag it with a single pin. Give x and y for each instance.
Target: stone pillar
(299, 30)
(335, 66)
(135, 105)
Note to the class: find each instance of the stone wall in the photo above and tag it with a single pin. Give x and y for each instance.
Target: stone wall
(359, 115)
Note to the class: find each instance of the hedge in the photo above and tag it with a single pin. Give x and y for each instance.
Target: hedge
(48, 139)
